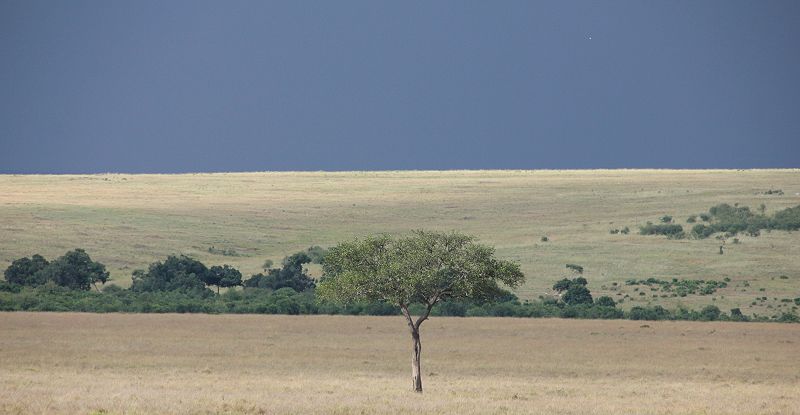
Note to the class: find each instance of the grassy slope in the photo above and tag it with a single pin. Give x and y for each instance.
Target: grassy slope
(128, 221)
(233, 364)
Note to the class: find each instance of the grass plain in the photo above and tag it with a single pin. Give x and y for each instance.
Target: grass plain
(65, 363)
(128, 221)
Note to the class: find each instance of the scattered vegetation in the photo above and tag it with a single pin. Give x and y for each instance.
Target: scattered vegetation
(223, 251)
(681, 287)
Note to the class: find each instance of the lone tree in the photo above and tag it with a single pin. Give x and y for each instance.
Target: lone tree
(421, 268)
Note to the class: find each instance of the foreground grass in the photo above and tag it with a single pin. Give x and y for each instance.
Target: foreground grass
(128, 221)
(79, 363)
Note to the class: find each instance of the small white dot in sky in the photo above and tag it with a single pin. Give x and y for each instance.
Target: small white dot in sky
(590, 38)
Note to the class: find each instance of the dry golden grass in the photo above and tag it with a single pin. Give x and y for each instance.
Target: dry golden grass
(153, 364)
(128, 221)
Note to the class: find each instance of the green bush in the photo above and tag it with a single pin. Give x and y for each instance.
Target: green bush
(605, 301)
(710, 313)
(649, 313)
(671, 231)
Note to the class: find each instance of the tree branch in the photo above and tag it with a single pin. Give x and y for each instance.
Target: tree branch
(427, 313)
(407, 314)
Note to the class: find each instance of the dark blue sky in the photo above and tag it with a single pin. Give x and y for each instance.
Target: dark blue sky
(179, 86)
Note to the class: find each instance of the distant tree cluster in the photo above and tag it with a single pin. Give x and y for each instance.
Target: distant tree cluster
(74, 270)
(727, 220)
(731, 220)
(184, 274)
(291, 275)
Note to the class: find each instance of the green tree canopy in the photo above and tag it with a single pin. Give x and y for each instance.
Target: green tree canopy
(22, 271)
(223, 276)
(176, 273)
(74, 270)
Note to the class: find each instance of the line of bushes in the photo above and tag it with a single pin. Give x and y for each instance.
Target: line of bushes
(181, 284)
(112, 299)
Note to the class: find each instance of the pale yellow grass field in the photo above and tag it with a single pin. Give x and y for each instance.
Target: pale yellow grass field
(154, 364)
(128, 221)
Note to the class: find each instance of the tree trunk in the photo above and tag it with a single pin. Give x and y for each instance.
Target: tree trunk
(416, 372)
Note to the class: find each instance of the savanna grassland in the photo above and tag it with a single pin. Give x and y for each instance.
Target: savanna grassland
(65, 363)
(129, 221)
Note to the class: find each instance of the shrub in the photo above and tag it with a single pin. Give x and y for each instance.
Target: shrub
(649, 313)
(605, 301)
(577, 294)
(222, 251)
(575, 268)
(710, 313)
(671, 231)
(701, 231)
(691, 219)
(666, 219)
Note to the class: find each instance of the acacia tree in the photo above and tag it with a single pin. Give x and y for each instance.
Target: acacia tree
(421, 268)
(222, 276)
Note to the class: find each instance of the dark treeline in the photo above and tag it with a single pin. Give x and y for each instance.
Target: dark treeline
(181, 284)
